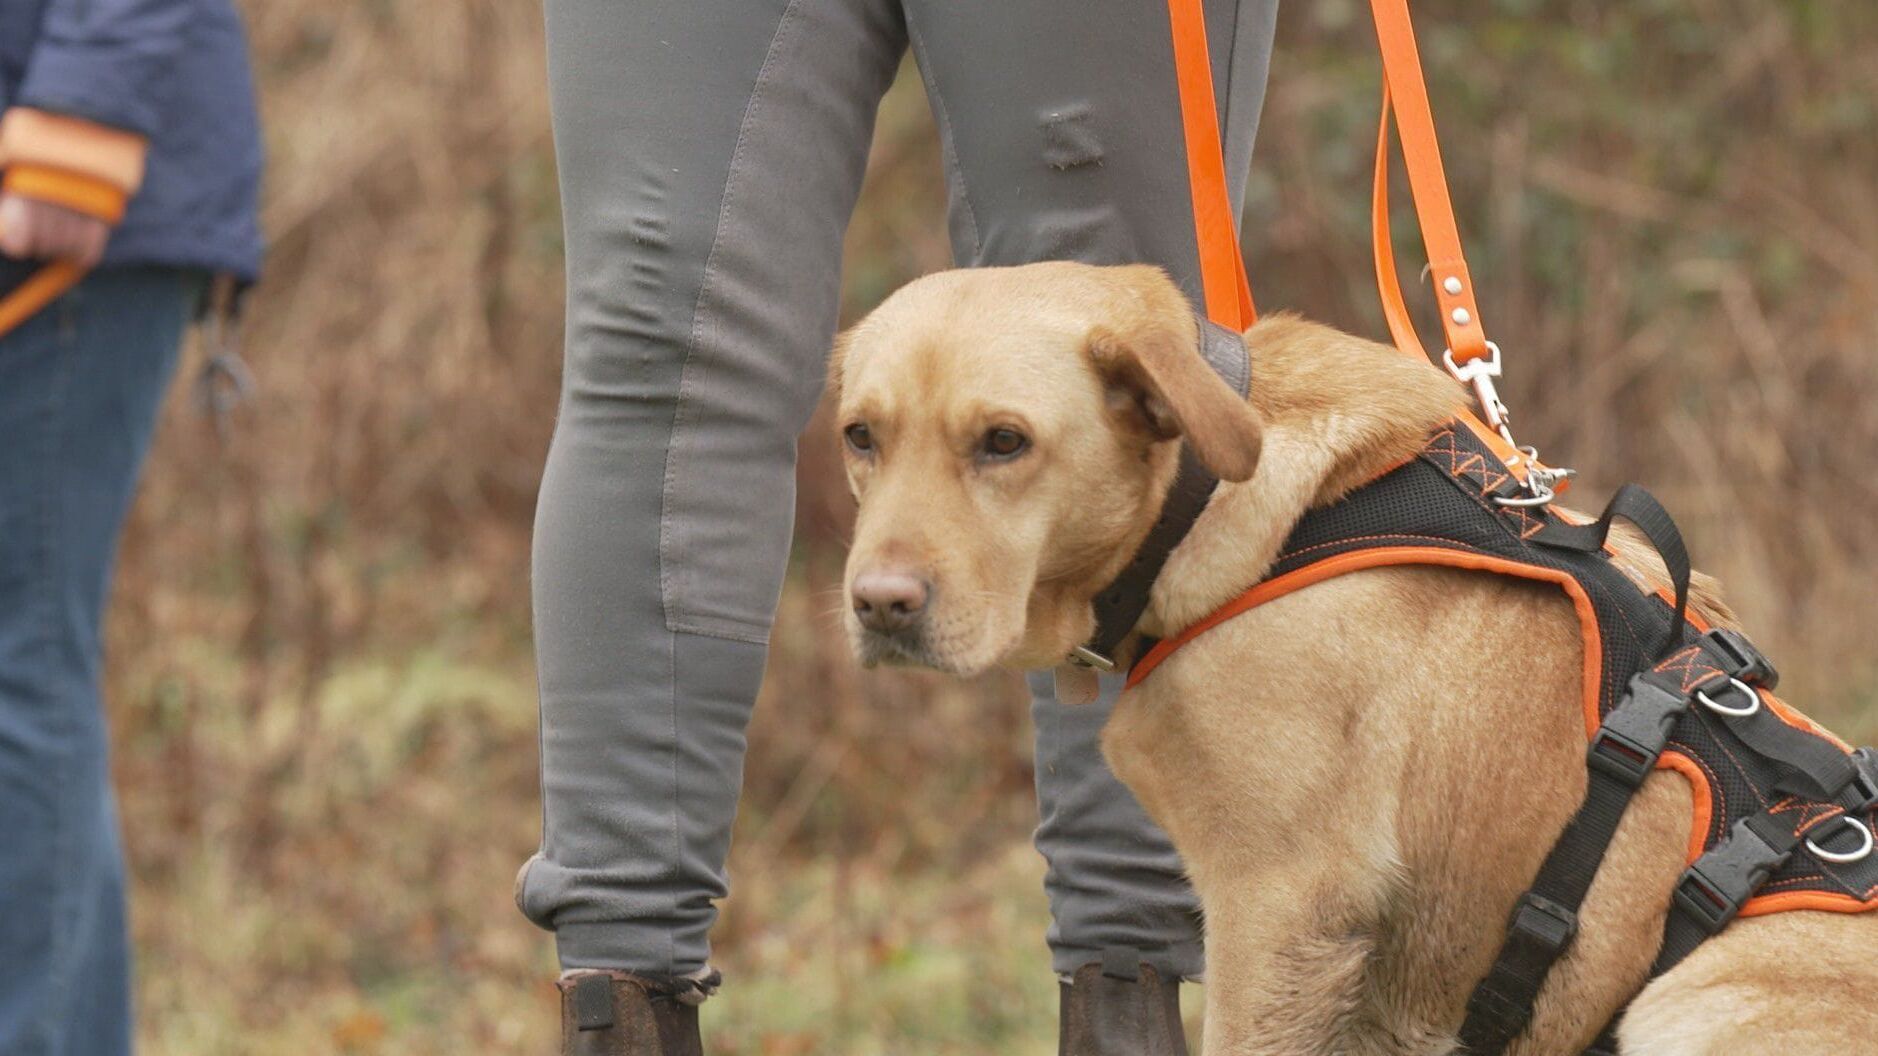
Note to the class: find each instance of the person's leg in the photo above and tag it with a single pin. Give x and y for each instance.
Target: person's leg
(710, 154)
(79, 388)
(102, 995)
(1063, 140)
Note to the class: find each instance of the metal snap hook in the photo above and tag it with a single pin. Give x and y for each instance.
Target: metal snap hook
(1754, 701)
(1865, 847)
(1487, 366)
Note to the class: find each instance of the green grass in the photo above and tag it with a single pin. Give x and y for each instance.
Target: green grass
(359, 902)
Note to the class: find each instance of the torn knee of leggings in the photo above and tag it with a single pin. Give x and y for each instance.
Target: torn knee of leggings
(1069, 138)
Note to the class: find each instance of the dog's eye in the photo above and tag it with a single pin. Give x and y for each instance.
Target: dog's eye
(1004, 443)
(858, 437)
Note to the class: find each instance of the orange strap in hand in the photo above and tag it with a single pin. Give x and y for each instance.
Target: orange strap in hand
(72, 190)
(41, 289)
(64, 187)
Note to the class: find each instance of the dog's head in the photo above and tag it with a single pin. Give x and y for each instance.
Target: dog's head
(1009, 434)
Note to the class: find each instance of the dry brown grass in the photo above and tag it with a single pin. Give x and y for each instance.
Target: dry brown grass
(321, 684)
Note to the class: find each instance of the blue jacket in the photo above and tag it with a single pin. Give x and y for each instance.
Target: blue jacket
(174, 71)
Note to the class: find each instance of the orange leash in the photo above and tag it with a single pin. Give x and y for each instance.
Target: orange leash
(1227, 294)
(1395, 310)
(40, 289)
(1405, 94)
(1469, 356)
(1402, 326)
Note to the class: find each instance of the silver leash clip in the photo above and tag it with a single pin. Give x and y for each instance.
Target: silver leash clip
(1541, 482)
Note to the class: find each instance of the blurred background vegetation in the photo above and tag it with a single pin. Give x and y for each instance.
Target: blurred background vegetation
(320, 673)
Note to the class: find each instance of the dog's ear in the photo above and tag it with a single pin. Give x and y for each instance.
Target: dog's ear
(1148, 354)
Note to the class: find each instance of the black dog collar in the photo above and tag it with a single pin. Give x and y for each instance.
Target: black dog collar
(1118, 607)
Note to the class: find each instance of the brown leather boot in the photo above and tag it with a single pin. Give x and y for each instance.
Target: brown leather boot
(1116, 1008)
(623, 1014)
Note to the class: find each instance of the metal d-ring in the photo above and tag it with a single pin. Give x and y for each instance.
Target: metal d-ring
(1859, 855)
(1754, 701)
(1542, 494)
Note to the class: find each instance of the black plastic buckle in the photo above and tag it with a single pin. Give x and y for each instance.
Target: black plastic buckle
(1749, 663)
(1543, 923)
(1720, 882)
(1863, 793)
(1627, 745)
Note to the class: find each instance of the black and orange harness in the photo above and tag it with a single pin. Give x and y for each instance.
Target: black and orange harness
(1784, 811)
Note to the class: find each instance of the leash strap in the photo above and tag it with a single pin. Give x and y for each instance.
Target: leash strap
(82, 194)
(1469, 356)
(1405, 94)
(40, 289)
(1226, 294)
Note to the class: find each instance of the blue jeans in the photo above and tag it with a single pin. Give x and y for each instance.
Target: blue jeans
(79, 388)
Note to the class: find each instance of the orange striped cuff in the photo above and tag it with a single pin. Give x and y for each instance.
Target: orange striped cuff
(73, 190)
(39, 137)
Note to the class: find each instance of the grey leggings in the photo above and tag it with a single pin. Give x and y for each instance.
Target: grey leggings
(710, 153)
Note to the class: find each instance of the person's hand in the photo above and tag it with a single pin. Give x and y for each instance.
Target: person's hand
(32, 229)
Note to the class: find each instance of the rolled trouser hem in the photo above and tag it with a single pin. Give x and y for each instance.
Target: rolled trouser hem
(626, 947)
(1181, 960)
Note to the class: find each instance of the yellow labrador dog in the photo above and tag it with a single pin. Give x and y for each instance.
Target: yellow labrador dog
(1358, 838)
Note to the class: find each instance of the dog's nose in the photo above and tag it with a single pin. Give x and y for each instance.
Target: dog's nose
(889, 601)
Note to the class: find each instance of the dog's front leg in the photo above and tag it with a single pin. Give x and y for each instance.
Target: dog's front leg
(1287, 959)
